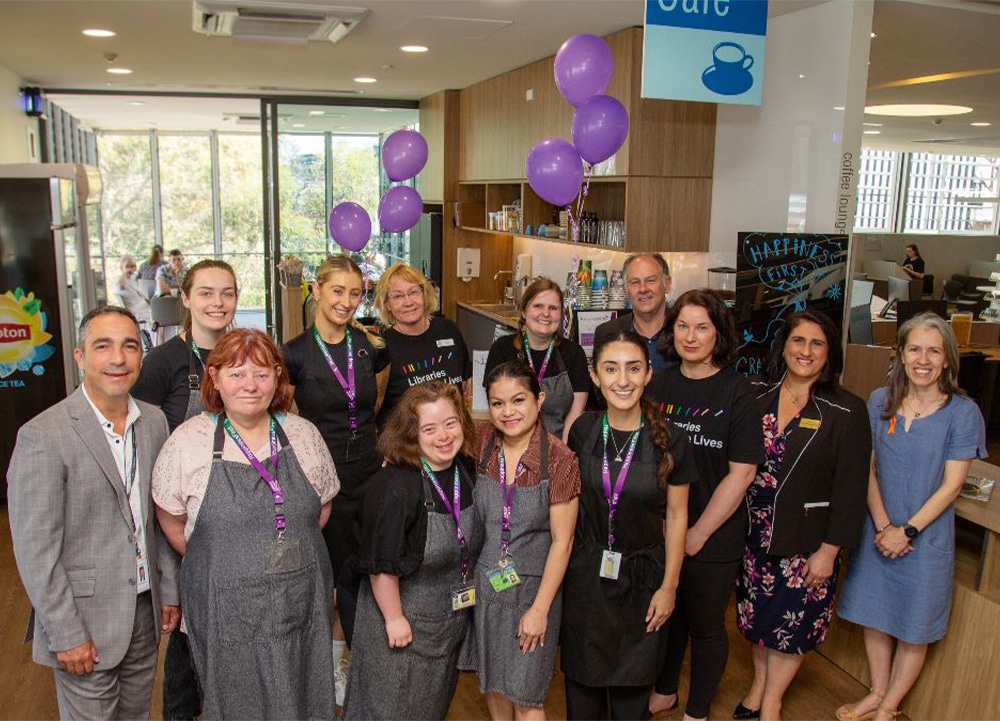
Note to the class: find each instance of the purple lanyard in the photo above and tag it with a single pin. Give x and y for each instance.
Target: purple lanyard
(454, 507)
(545, 362)
(614, 496)
(508, 499)
(350, 389)
(270, 480)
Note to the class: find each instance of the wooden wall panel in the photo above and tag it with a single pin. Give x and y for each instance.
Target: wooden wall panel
(430, 180)
(495, 254)
(668, 214)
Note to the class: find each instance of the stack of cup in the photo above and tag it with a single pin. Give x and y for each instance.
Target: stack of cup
(599, 290)
(584, 279)
(616, 291)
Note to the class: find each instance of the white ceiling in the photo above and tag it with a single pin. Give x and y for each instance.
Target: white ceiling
(469, 41)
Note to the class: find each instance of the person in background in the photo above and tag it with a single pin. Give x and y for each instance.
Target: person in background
(806, 503)
(647, 282)
(526, 498)
(131, 295)
(913, 264)
(925, 433)
(147, 270)
(340, 371)
(559, 363)
(171, 379)
(242, 491)
(419, 539)
(169, 274)
(714, 403)
(422, 346)
(84, 531)
(621, 584)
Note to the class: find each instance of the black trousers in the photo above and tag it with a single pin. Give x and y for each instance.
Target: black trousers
(181, 693)
(611, 703)
(700, 612)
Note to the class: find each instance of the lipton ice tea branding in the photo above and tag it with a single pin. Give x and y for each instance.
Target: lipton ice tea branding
(23, 340)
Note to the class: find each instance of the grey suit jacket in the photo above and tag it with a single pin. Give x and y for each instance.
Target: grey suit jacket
(72, 530)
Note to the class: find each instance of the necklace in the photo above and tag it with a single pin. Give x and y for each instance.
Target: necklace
(795, 397)
(614, 444)
(923, 406)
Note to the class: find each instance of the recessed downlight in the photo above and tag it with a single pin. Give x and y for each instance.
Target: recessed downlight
(917, 110)
(119, 71)
(382, 110)
(365, 80)
(414, 49)
(873, 132)
(99, 33)
(317, 112)
(136, 102)
(298, 125)
(980, 125)
(874, 125)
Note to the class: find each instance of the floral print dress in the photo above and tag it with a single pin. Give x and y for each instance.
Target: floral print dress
(774, 607)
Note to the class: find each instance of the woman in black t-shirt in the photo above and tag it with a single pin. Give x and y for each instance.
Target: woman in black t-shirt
(340, 371)
(621, 583)
(913, 264)
(559, 363)
(422, 346)
(704, 395)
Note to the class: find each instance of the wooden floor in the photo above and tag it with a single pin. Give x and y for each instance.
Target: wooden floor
(28, 692)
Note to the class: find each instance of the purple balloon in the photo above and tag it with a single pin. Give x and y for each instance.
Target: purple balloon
(350, 226)
(600, 126)
(399, 209)
(583, 68)
(555, 171)
(404, 154)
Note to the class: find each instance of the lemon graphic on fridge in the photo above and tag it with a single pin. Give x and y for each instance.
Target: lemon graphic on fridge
(23, 338)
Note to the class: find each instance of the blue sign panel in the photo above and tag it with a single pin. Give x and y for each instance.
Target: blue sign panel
(704, 50)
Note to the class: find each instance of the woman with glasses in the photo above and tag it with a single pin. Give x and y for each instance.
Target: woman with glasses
(422, 346)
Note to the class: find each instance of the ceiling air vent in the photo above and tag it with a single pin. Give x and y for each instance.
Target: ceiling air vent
(274, 21)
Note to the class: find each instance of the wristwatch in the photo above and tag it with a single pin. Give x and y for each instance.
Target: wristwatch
(911, 531)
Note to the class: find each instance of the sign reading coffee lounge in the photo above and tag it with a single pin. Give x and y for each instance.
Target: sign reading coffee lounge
(704, 50)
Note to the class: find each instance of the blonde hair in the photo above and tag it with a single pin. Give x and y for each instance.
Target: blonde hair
(407, 274)
(344, 264)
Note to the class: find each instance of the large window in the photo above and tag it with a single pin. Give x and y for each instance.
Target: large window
(127, 202)
(937, 193)
(242, 216)
(186, 195)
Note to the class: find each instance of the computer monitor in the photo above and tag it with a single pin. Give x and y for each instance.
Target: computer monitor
(861, 292)
(906, 309)
(859, 329)
(899, 290)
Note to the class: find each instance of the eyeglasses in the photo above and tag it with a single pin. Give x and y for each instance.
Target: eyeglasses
(411, 294)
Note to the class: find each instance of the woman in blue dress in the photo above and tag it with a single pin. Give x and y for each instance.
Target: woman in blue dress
(925, 433)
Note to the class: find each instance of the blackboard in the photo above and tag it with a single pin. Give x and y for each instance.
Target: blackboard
(778, 274)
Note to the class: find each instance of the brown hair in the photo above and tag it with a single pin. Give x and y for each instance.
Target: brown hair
(536, 288)
(155, 256)
(408, 274)
(724, 352)
(236, 348)
(659, 429)
(398, 442)
(188, 281)
(344, 264)
(775, 366)
(899, 383)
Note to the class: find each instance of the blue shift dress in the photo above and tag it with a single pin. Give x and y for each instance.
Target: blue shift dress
(910, 598)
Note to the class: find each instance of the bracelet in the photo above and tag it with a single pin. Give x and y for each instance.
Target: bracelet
(884, 527)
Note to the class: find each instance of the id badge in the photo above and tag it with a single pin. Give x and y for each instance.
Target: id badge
(142, 573)
(463, 596)
(282, 555)
(504, 576)
(611, 562)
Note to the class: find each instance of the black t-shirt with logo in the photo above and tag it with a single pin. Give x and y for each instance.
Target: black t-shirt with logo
(573, 358)
(439, 353)
(723, 424)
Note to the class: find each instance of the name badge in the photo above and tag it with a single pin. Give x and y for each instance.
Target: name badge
(443, 342)
(463, 596)
(611, 562)
(503, 577)
(142, 574)
(810, 423)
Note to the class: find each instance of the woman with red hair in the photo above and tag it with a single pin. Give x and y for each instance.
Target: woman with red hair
(242, 493)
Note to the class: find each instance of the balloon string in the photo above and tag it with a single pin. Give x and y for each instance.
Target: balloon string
(572, 288)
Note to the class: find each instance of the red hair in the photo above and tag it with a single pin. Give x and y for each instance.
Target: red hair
(236, 348)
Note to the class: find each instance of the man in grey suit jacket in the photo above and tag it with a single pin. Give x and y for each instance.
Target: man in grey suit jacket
(85, 539)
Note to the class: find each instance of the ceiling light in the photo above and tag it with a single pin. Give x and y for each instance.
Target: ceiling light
(317, 112)
(980, 125)
(298, 125)
(136, 102)
(365, 80)
(382, 110)
(874, 34)
(413, 49)
(838, 107)
(119, 71)
(874, 125)
(98, 33)
(801, 76)
(873, 132)
(917, 110)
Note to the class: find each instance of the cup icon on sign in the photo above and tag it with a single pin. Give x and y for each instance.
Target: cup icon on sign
(729, 73)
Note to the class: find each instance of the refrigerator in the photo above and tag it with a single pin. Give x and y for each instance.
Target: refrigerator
(425, 248)
(51, 274)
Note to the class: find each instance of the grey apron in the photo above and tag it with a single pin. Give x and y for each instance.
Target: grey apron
(419, 680)
(558, 395)
(502, 667)
(195, 404)
(260, 641)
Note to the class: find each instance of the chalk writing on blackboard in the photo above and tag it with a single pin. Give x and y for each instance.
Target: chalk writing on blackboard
(779, 274)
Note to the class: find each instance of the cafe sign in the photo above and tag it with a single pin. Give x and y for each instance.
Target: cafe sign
(708, 51)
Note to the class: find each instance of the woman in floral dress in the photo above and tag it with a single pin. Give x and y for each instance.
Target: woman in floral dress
(806, 503)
